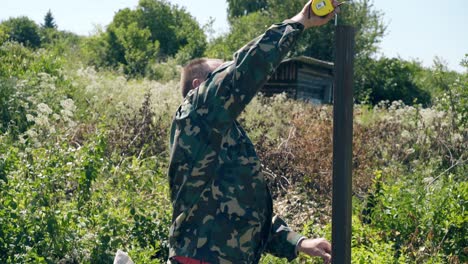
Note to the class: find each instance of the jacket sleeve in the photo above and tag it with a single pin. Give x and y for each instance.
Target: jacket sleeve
(227, 91)
(282, 241)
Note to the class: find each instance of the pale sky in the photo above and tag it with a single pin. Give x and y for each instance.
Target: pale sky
(417, 29)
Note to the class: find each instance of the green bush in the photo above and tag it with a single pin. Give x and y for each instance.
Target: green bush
(164, 72)
(18, 61)
(65, 201)
(425, 219)
(28, 78)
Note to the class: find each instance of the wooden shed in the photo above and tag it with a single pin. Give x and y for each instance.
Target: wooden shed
(303, 78)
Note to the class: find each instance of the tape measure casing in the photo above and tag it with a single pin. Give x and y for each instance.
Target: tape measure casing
(322, 7)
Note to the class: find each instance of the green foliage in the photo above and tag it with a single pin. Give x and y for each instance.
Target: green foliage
(18, 62)
(243, 30)
(95, 50)
(316, 42)
(22, 30)
(62, 44)
(68, 195)
(423, 161)
(368, 246)
(27, 78)
(159, 17)
(392, 80)
(137, 46)
(59, 208)
(3, 35)
(454, 93)
(238, 8)
(424, 219)
(164, 72)
(155, 31)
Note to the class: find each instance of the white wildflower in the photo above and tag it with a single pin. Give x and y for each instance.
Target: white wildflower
(428, 180)
(120, 106)
(406, 135)
(409, 151)
(31, 133)
(441, 114)
(71, 123)
(66, 114)
(68, 104)
(21, 139)
(42, 120)
(428, 115)
(43, 108)
(29, 117)
(456, 138)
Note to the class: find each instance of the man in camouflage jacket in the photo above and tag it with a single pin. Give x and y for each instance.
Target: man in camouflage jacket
(222, 208)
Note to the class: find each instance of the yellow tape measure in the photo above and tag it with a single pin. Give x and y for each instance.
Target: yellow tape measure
(322, 7)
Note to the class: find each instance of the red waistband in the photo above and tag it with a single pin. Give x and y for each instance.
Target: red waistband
(185, 260)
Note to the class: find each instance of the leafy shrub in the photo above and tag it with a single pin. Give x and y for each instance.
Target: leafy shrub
(454, 96)
(67, 202)
(138, 49)
(164, 72)
(19, 61)
(28, 78)
(424, 219)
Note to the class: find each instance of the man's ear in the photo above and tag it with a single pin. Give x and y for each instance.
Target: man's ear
(195, 83)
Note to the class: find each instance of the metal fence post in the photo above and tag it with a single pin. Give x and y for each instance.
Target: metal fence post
(342, 145)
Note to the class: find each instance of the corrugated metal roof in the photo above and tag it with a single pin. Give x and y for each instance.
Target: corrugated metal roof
(311, 61)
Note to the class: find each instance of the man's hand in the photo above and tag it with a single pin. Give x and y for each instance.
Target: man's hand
(319, 247)
(309, 19)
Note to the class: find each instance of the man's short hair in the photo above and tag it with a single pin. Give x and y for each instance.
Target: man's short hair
(195, 69)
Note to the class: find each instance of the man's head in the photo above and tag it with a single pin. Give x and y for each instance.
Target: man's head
(195, 72)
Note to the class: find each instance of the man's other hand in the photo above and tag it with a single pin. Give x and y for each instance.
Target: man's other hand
(309, 19)
(318, 247)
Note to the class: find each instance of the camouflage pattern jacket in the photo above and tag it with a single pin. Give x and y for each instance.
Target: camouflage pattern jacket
(222, 208)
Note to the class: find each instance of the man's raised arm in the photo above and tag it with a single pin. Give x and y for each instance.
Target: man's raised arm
(229, 89)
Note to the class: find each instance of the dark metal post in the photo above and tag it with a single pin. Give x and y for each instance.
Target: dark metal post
(342, 145)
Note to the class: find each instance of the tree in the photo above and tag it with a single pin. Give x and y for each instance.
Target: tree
(393, 79)
(173, 27)
(22, 30)
(243, 29)
(49, 21)
(238, 8)
(155, 30)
